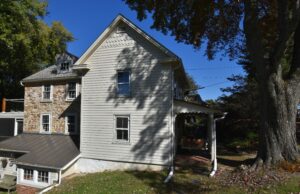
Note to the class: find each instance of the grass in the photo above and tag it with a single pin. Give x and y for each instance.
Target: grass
(290, 186)
(184, 181)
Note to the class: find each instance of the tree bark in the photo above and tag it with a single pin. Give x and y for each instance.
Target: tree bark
(277, 138)
(279, 96)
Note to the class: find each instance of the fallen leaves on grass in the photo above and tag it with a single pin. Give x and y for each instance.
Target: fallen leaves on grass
(252, 181)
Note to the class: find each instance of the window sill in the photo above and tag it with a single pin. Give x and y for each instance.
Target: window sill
(46, 101)
(121, 142)
(123, 96)
(70, 99)
(46, 133)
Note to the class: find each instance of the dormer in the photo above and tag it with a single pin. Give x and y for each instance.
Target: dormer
(64, 62)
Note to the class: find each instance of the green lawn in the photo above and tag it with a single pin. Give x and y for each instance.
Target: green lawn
(185, 181)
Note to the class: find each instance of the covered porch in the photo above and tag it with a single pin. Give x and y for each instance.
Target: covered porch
(194, 127)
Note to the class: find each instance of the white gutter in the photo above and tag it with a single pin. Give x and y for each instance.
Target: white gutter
(53, 185)
(171, 173)
(71, 162)
(215, 163)
(59, 176)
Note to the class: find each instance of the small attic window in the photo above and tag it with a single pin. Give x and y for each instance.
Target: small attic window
(121, 29)
(65, 66)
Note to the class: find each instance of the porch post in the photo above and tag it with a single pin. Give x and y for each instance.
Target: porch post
(211, 135)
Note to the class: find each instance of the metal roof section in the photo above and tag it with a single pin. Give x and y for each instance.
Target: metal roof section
(42, 150)
(50, 74)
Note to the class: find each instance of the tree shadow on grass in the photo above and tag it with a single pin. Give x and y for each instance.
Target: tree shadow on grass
(184, 181)
(235, 163)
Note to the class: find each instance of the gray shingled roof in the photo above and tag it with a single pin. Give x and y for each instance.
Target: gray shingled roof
(42, 150)
(50, 74)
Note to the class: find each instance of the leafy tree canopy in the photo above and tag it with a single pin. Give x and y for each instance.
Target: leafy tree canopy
(270, 29)
(26, 42)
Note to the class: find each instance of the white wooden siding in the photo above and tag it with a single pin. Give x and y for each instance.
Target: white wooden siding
(149, 106)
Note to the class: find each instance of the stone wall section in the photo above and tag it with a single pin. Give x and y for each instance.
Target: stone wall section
(59, 107)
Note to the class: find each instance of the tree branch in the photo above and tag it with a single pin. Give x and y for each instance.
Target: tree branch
(286, 27)
(254, 38)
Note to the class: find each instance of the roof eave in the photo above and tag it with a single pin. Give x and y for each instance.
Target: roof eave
(50, 79)
(38, 165)
(111, 27)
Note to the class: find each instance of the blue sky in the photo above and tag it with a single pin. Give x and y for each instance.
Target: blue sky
(87, 19)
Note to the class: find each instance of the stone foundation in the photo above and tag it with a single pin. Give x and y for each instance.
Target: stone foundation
(21, 189)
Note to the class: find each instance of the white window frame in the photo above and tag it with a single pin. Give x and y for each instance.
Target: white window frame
(35, 181)
(66, 123)
(115, 128)
(41, 122)
(51, 93)
(67, 91)
(37, 178)
(129, 83)
(23, 176)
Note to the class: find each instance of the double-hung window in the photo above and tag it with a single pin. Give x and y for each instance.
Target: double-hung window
(122, 128)
(70, 123)
(71, 91)
(28, 174)
(47, 93)
(45, 123)
(43, 177)
(123, 88)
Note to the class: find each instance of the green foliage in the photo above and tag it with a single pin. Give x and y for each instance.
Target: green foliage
(216, 23)
(241, 101)
(26, 41)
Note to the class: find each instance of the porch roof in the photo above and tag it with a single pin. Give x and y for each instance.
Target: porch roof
(11, 115)
(42, 150)
(181, 106)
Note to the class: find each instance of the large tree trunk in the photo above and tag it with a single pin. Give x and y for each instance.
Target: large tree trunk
(277, 137)
(279, 94)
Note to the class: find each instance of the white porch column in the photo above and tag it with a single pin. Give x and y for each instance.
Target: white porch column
(211, 135)
(213, 143)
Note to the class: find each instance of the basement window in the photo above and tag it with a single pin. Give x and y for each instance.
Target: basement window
(43, 176)
(28, 174)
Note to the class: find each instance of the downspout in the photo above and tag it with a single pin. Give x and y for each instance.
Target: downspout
(215, 163)
(59, 175)
(53, 185)
(171, 172)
